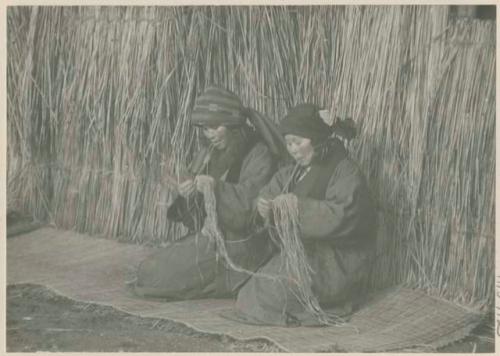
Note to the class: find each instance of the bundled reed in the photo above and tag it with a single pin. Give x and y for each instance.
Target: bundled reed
(99, 100)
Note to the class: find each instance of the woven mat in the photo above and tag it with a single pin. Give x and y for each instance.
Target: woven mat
(94, 270)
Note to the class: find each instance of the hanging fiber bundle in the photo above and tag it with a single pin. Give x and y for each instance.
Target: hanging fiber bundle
(287, 236)
(297, 269)
(212, 232)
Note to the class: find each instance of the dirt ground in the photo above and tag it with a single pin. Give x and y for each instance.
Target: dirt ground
(40, 320)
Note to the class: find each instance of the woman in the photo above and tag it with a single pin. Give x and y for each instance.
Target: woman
(336, 220)
(236, 163)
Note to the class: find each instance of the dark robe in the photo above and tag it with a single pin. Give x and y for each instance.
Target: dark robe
(189, 268)
(337, 223)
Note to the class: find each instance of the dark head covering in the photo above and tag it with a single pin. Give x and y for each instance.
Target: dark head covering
(218, 107)
(304, 120)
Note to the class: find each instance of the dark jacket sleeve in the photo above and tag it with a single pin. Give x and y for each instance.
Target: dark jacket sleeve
(191, 212)
(235, 202)
(347, 206)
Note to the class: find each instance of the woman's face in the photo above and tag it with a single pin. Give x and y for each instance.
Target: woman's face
(300, 148)
(216, 135)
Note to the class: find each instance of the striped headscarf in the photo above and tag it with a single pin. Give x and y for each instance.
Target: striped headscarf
(221, 107)
(218, 107)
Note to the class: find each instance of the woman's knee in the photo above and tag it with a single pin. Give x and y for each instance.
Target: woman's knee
(145, 270)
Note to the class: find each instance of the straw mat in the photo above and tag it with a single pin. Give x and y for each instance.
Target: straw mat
(94, 270)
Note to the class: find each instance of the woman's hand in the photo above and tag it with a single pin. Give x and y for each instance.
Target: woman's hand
(264, 208)
(187, 188)
(283, 197)
(203, 181)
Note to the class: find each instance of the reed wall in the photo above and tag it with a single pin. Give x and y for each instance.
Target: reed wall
(98, 101)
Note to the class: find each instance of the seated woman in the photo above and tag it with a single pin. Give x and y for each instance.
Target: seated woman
(336, 219)
(237, 163)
